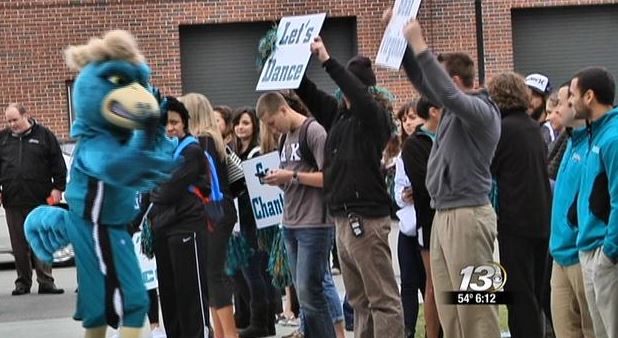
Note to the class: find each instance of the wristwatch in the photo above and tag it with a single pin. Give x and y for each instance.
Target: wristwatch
(295, 179)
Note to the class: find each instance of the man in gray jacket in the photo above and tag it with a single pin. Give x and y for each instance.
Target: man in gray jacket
(458, 181)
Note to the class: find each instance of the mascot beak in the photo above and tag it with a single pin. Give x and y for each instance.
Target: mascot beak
(130, 107)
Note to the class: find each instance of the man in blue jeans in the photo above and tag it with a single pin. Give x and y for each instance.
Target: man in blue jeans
(308, 236)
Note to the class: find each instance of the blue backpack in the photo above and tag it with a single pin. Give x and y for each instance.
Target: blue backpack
(213, 203)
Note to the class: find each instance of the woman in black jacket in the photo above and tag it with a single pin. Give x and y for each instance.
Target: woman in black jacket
(179, 227)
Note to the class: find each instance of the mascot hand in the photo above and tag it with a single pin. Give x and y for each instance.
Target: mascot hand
(45, 229)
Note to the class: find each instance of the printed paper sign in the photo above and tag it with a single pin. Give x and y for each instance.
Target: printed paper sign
(147, 265)
(285, 67)
(393, 44)
(266, 200)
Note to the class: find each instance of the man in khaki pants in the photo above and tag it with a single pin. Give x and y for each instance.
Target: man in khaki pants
(592, 96)
(569, 308)
(458, 180)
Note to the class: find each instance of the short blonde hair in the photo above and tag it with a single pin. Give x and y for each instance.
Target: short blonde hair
(115, 45)
(269, 103)
(202, 120)
(509, 91)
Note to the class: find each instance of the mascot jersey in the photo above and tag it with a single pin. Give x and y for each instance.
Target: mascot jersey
(121, 149)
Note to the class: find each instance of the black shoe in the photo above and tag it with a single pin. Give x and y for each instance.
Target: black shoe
(253, 332)
(50, 290)
(20, 290)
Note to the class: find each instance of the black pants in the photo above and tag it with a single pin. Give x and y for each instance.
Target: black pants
(153, 312)
(181, 270)
(525, 262)
(24, 258)
(412, 279)
(220, 287)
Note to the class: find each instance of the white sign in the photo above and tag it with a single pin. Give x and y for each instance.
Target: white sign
(393, 44)
(266, 200)
(285, 67)
(147, 265)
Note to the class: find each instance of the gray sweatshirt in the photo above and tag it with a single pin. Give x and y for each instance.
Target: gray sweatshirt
(458, 172)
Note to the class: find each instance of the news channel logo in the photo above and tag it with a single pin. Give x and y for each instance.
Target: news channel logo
(481, 285)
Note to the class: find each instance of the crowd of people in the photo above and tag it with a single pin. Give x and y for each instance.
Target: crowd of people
(519, 163)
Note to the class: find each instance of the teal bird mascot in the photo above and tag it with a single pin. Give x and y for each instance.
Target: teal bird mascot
(121, 149)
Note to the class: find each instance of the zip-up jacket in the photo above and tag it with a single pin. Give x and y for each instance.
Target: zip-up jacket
(31, 165)
(458, 172)
(597, 206)
(176, 209)
(353, 181)
(519, 166)
(415, 154)
(563, 238)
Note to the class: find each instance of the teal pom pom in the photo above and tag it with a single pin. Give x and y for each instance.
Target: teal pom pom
(373, 90)
(266, 47)
(278, 265)
(238, 253)
(147, 241)
(266, 238)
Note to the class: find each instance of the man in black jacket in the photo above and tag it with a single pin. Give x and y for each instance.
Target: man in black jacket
(355, 190)
(32, 172)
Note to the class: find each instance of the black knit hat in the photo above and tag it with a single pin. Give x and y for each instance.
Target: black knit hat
(176, 106)
(360, 66)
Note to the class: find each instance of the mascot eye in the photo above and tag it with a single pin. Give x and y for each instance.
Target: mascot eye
(118, 80)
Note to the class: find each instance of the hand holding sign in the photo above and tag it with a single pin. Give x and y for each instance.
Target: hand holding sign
(318, 48)
(278, 177)
(414, 34)
(393, 45)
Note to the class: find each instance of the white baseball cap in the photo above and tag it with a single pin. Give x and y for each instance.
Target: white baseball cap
(539, 83)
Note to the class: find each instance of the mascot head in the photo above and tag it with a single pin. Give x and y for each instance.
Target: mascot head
(110, 93)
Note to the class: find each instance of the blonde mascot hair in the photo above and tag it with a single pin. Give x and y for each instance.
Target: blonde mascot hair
(115, 45)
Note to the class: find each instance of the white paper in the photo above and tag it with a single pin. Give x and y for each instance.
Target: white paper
(266, 200)
(407, 220)
(285, 68)
(393, 45)
(147, 265)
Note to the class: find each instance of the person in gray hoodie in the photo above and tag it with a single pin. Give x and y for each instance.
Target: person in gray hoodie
(458, 181)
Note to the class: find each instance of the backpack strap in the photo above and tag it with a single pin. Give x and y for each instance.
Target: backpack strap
(184, 144)
(305, 150)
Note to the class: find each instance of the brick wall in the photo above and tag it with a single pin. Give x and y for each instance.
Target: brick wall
(34, 33)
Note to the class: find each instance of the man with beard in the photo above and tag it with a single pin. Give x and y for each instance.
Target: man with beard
(539, 88)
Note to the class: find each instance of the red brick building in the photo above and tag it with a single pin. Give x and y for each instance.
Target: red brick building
(34, 33)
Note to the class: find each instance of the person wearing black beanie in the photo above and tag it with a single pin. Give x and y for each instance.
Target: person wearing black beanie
(355, 190)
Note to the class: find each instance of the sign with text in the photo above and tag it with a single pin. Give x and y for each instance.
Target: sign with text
(148, 266)
(266, 200)
(285, 67)
(393, 44)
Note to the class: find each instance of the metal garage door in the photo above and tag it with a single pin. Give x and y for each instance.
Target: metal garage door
(219, 60)
(560, 41)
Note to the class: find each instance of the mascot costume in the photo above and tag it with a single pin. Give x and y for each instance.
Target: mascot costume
(121, 149)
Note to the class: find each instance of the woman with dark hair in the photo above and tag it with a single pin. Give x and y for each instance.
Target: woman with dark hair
(252, 305)
(223, 117)
(410, 263)
(246, 127)
(523, 210)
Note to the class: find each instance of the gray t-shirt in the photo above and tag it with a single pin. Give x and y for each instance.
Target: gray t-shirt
(304, 205)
